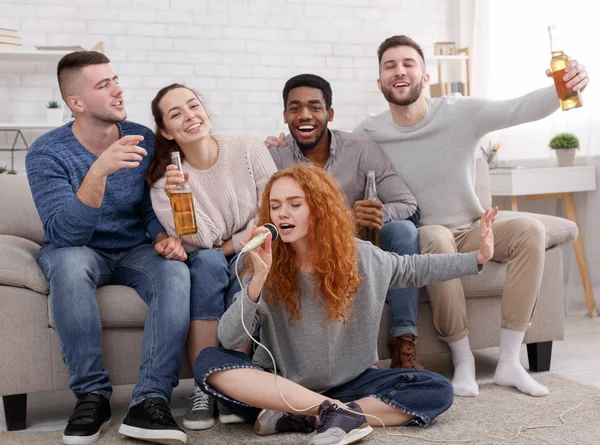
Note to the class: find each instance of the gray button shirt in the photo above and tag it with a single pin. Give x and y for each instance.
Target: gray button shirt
(351, 157)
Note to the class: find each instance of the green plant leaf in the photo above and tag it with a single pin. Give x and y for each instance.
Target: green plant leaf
(564, 141)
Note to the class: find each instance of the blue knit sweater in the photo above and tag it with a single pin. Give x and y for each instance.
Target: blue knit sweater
(56, 166)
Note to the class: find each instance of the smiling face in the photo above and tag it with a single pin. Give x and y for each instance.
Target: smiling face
(289, 210)
(307, 116)
(100, 95)
(184, 118)
(401, 75)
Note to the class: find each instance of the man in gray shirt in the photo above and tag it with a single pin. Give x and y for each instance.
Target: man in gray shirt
(347, 157)
(431, 143)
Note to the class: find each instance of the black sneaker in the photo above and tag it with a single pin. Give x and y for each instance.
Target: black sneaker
(90, 416)
(338, 426)
(152, 420)
(271, 422)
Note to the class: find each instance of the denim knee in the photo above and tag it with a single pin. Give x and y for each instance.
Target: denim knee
(401, 237)
(209, 273)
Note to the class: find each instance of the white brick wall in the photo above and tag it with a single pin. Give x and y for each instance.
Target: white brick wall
(236, 53)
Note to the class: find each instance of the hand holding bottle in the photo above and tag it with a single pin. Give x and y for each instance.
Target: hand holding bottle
(175, 178)
(368, 213)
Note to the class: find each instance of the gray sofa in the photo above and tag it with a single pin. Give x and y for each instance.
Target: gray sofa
(30, 352)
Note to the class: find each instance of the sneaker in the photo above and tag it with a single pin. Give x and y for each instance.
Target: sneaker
(404, 354)
(338, 426)
(271, 422)
(228, 416)
(90, 417)
(200, 414)
(152, 420)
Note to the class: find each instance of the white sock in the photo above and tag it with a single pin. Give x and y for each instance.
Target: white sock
(509, 371)
(464, 382)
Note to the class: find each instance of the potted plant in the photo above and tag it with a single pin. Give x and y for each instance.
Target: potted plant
(565, 146)
(53, 113)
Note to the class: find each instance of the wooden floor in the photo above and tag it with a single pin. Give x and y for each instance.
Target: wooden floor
(576, 357)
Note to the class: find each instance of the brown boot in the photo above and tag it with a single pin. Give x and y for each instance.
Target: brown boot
(404, 354)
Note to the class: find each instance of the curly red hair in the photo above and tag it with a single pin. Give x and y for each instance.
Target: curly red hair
(332, 247)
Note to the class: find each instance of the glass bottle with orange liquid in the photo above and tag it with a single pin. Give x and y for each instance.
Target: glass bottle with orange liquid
(182, 203)
(370, 233)
(568, 98)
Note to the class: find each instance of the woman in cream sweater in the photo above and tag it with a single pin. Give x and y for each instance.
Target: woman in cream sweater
(227, 175)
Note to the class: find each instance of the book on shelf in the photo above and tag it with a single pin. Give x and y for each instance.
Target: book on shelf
(8, 32)
(60, 48)
(10, 40)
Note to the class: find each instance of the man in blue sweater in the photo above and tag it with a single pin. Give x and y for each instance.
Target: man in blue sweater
(87, 181)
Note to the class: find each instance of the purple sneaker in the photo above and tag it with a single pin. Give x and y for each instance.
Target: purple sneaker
(338, 426)
(271, 422)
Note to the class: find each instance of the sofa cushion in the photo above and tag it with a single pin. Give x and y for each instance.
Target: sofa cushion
(558, 230)
(22, 219)
(120, 307)
(18, 265)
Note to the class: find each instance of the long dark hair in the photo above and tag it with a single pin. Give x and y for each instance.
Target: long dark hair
(162, 146)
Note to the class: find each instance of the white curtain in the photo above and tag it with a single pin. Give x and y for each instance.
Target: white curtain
(511, 51)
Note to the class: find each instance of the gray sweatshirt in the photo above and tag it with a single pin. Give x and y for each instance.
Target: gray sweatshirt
(436, 157)
(319, 355)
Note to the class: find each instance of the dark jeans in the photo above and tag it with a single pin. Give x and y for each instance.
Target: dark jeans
(423, 394)
(402, 237)
(214, 283)
(74, 274)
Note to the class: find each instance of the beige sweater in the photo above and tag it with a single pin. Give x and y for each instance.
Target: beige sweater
(226, 196)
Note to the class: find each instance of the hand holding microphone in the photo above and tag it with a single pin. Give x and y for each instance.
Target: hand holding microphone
(261, 256)
(258, 236)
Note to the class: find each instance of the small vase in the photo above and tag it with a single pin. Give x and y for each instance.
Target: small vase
(565, 156)
(54, 116)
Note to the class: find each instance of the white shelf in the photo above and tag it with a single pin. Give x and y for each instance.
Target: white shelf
(31, 55)
(455, 57)
(26, 126)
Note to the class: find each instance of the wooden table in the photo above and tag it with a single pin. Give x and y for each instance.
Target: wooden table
(551, 183)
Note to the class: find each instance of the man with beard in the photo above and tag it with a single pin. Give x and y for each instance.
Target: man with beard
(307, 101)
(88, 183)
(431, 143)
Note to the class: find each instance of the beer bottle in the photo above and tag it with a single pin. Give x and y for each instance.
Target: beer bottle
(370, 234)
(568, 98)
(182, 203)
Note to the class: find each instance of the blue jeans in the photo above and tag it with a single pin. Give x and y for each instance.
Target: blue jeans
(74, 274)
(402, 238)
(214, 283)
(423, 394)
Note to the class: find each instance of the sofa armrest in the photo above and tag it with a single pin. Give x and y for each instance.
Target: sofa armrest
(18, 264)
(558, 230)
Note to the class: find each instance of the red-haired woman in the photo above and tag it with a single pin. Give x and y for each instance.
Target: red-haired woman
(317, 294)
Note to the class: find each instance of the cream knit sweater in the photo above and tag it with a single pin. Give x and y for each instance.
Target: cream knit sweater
(226, 196)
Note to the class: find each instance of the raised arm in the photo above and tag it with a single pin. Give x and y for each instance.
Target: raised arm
(420, 270)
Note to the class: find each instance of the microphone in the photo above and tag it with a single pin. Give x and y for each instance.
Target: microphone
(260, 238)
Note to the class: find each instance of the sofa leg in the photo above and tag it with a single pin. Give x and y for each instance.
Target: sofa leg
(539, 355)
(15, 411)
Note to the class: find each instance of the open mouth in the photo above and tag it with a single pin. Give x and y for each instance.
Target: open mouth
(194, 128)
(286, 228)
(306, 130)
(401, 85)
(118, 104)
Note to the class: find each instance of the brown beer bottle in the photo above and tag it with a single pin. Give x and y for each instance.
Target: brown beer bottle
(369, 233)
(568, 98)
(182, 203)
